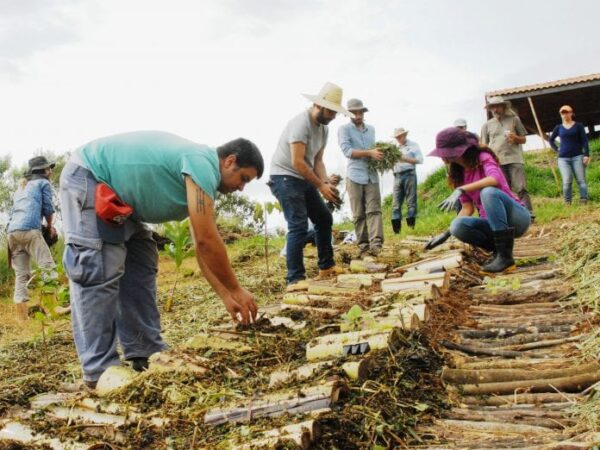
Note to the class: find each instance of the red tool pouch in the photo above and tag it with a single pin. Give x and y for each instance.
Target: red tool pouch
(109, 207)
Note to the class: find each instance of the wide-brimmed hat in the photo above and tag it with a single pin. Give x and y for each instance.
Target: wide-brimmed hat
(398, 132)
(355, 104)
(452, 143)
(330, 97)
(460, 123)
(40, 163)
(496, 100)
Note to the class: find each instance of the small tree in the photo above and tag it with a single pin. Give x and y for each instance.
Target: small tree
(180, 248)
(260, 216)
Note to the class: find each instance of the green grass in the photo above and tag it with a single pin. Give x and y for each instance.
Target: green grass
(541, 183)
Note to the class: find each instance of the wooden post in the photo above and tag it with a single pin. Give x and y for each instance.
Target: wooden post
(541, 133)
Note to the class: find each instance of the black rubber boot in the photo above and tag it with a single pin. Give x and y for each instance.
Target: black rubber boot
(139, 364)
(503, 241)
(396, 225)
(489, 246)
(410, 221)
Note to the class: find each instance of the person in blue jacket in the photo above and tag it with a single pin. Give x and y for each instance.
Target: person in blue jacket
(573, 153)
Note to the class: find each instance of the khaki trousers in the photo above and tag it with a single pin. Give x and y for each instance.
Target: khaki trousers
(515, 175)
(25, 245)
(365, 202)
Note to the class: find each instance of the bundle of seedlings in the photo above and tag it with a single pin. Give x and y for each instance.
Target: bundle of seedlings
(391, 155)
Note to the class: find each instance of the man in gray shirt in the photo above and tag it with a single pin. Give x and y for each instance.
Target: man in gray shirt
(505, 134)
(298, 175)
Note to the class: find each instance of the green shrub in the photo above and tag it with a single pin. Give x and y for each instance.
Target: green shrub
(7, 275)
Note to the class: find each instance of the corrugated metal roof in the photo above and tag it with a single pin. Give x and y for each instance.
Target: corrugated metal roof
(547, 85)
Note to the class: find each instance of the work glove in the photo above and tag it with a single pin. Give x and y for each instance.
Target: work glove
(438, 240)
(450, 203)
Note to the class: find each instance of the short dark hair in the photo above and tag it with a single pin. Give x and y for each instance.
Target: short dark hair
(246, 153)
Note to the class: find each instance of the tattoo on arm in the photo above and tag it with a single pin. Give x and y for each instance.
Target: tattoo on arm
(200, 202)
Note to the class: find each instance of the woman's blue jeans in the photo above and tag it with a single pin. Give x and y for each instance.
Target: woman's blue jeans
(502, 212)
(569, 167)
(301, 201)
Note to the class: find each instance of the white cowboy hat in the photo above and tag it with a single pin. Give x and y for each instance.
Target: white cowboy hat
(460, 123)
(330, 97)
(399, 132)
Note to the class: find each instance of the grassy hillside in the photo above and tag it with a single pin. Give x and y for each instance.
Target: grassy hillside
(541, 183)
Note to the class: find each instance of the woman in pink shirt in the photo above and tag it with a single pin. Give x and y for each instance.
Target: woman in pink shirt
(479, 184)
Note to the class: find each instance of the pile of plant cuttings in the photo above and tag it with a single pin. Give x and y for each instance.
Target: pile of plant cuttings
(404, 389)
(30, 368)
(580, 257)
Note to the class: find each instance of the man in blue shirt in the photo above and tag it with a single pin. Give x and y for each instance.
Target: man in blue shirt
(154, 177)
(31, 203)
(357, 141)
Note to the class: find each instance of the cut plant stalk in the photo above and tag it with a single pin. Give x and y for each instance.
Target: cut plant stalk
(436, 264)
(354, 370)
(329, 288)
(462, 376)
(15, 431)
(299, 401)
(303, 435)
(361, 266)
(114, 378)
(492, 427)
(169, 362)
(366, 277)
(401, 316)
(521, 399)
(293, 298)
(399, 284)
(575, 384)
(217, 342)
(314, 311)
(333, 345)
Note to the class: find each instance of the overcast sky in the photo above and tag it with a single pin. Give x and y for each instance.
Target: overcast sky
(213, 70)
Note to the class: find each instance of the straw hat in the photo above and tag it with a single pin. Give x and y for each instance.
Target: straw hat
(330, 97)
(399, 132)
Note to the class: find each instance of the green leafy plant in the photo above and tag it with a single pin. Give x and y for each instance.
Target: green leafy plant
(261, 214)
(357, 319)
(181, 242)
(51, 295)
(181, 247)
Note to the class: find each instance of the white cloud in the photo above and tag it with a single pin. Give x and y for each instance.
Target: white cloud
(213, 70)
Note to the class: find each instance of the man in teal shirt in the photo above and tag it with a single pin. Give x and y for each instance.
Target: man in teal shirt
(112, 266)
